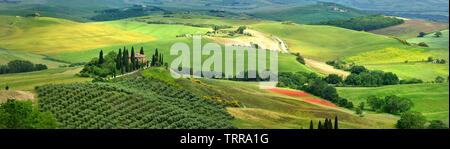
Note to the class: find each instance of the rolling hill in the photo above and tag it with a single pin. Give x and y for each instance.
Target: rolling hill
(265, 109)
(432, 41)
(430, 99)
(44, 39)
(424, 9)
(411, 28)
(308, 14)
(325, 42)
(42, 35)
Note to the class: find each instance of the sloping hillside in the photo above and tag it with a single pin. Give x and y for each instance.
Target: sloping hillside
(267, 109)
(430, 99)
(309, 13)
(325, 42)
(411, 28)
(44, 35)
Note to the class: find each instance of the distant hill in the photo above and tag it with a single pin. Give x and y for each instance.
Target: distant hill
(312, 13)
(436, 10)
(295, 10)
(411, 28)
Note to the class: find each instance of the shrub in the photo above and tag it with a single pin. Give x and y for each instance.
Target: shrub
(411, 120)
(390, 104)
(23, 115)
(333, 79)
(411, 81)
(437, 124)
(440, 79)
(423, 44)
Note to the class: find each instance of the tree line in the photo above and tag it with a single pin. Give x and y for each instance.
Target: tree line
(365, 23)
(360, 76)
(18, 66)
(327, 124)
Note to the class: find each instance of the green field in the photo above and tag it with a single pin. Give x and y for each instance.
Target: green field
(9, 55)
(430, 99)
(44, 35)
(423, 71)
(432, 41)
(27, 81)
(325, 42)
(165, 37)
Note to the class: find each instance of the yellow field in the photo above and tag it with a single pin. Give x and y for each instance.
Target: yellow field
(391, 55)
(50, 35)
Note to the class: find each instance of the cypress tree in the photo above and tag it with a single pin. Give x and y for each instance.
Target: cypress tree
(126, 63)
(311, 125)
(320, 125)
(133, 59)
(100, 58)
(136, 64)
(142, 51)
(336, 125)
(156, 57)
(330, 124)
(161, 59)
(119, 60)
(153, 61)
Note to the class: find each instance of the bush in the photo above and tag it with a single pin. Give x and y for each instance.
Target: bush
(358, 69)
(423, 44)
(300, 58)
(411, 81)
(390, 104)
(390, 78)
(333, 79)
(338, 64)
(23, 115)
(421, 34)
(411, 120)
(440, 79)
(437, 124)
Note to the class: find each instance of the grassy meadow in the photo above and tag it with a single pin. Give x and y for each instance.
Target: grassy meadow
(325, 42)
(48, 36)
(429, 99)
(27, 81)
(432, 41)
(411, 28)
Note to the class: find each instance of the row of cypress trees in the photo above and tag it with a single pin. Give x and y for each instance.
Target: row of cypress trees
(126, 62)
(157, 59)
(328, 124)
